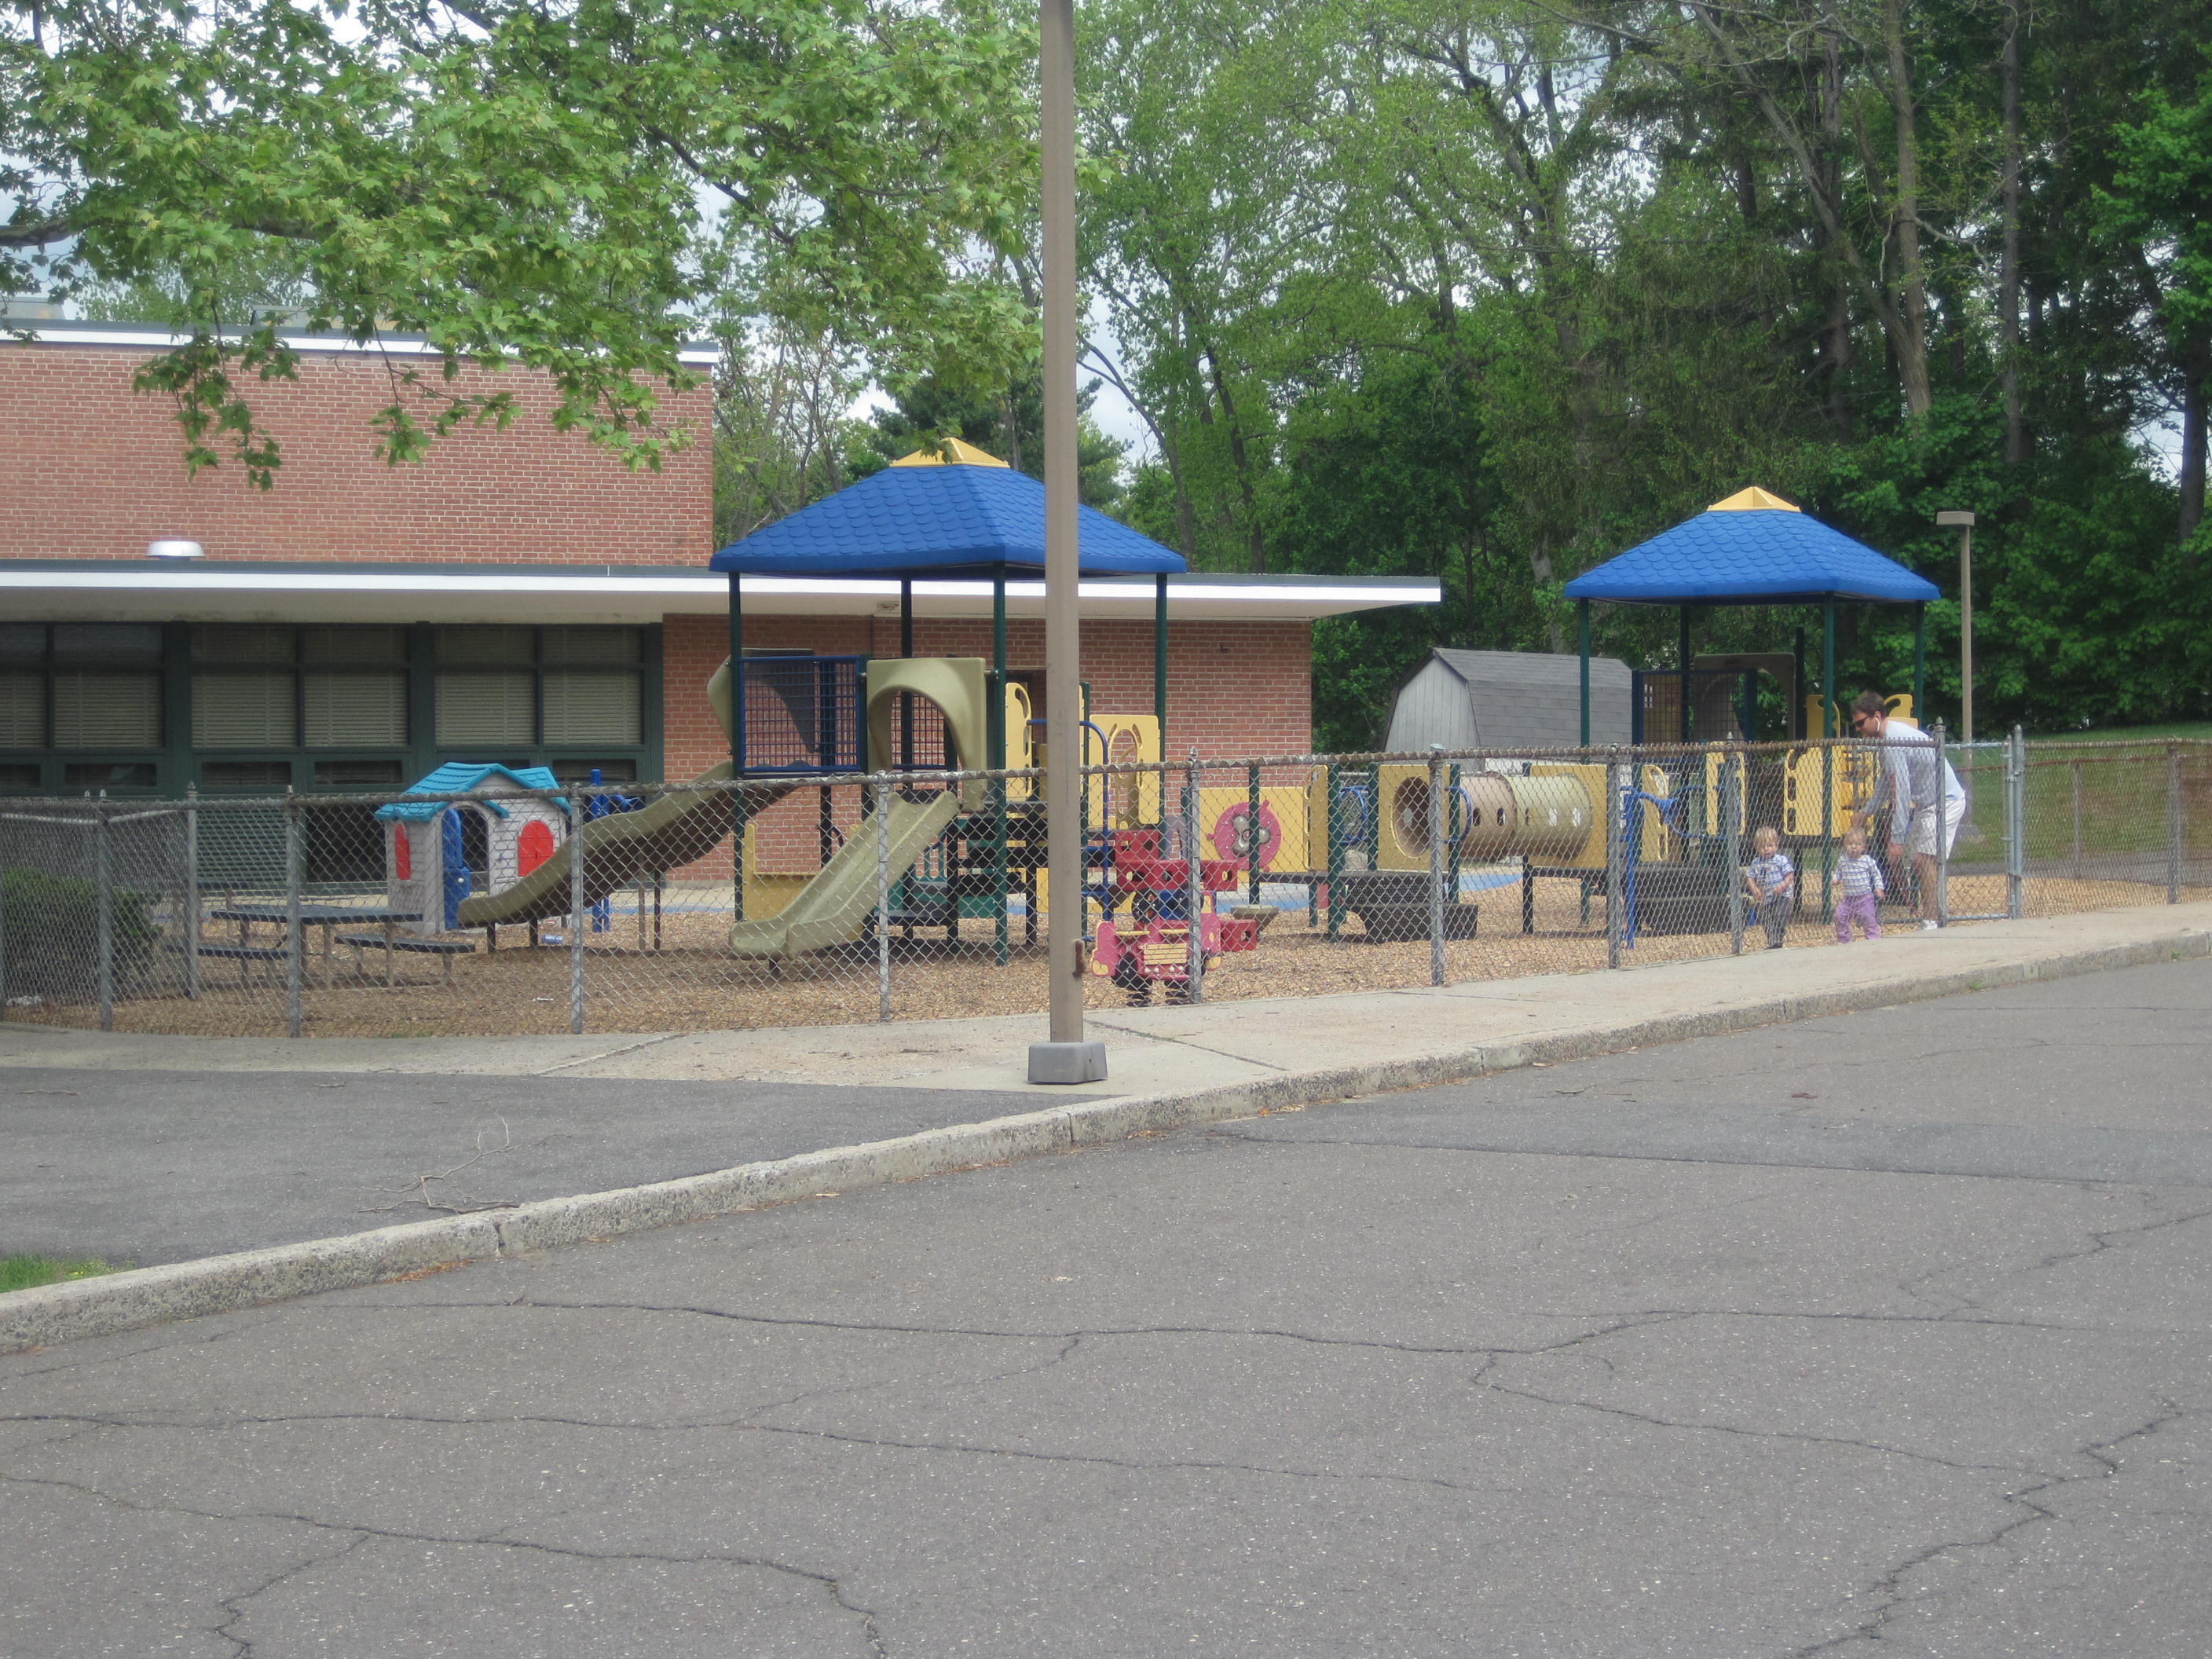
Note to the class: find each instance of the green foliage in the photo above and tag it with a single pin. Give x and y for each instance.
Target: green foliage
(1489, 294)
(575, 190)
(1007, 423)
(49, 934)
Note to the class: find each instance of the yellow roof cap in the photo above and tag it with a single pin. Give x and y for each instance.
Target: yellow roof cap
(956, 454)
(1753, 499)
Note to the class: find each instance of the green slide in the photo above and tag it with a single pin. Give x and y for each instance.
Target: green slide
(831, 908)
(666, 834)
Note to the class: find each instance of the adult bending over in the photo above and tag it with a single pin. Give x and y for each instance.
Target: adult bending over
(1922, 805)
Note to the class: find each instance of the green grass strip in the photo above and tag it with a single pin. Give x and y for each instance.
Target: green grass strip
(23, 1273)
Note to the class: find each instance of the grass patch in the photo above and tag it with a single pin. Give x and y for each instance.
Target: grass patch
(23, 1273)
(2200, 730)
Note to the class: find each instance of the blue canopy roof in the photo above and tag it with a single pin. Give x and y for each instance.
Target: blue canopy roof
(937, 521)
(1775, 556)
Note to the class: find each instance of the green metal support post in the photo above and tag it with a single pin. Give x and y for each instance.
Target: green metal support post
(1686, 725)
(1002, 951)
(1920, 663)
(906, 651)
(1828, 712)
(736, 750)
(1582, 622)
(1252, 832)
(1159, 658)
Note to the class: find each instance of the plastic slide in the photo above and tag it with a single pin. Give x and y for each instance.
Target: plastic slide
(680, 826)
(832, 909)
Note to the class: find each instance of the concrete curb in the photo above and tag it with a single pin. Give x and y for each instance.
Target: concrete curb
(186, 1290)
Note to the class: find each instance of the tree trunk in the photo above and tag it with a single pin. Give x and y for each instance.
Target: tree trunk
(1254, 538)
(2196, 367)
(1912, 308)
(1838, 331)
(2015, 437)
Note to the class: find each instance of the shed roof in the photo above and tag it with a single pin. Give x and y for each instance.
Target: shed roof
(1743, 551)
(916, 519)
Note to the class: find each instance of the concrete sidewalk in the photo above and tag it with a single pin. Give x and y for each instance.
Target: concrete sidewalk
(831, 1108)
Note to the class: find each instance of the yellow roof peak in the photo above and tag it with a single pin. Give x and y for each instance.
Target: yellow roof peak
(1753, 499)
(956, 454)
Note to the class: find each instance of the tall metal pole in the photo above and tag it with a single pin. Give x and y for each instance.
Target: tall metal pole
(579, 807)
(1965, 524)
(105, 866)
(1067, 1057)
(1581, 627)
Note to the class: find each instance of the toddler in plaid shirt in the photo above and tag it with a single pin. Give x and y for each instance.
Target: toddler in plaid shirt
(1772, 881)
(1859, 887)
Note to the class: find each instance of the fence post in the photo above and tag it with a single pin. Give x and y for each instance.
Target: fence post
(2173, 824)
(1435, 864)
(103, 866)
(1335, 859)
(1941, 809)
(2016, 824)
(1616, 817)
(295, 946)
(1193, 885)
(2075, 766)
(193, 891)
(579, 807)
(883, 815)
(1252, 832)
(1732, 814)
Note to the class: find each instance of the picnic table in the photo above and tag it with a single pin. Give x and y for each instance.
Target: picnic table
(328, 917)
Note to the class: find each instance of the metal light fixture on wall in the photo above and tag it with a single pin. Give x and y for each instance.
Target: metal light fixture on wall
(175, 549)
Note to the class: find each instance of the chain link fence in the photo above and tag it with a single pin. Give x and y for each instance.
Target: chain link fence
(923, 895)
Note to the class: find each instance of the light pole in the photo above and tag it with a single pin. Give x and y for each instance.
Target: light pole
(1966, 522)
(1066, 1058)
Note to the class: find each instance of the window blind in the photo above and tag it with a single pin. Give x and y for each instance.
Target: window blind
(243, 711)
(363, 709)
(106, 711)
(484, 708)
(584, 705)
(22, 711)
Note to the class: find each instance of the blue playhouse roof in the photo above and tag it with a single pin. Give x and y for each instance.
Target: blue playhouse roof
(1766, 557)
(937, 521)
(458, 778)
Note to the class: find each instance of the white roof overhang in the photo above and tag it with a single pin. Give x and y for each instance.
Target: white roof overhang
(209, 591)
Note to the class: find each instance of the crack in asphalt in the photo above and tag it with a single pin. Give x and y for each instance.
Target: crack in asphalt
(234, 1605)
(1890, 1587)
(830, 1581)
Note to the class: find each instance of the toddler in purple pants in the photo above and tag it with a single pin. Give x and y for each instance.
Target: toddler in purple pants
(1859, 888)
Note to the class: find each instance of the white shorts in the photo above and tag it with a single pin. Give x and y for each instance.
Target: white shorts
(1924, 828)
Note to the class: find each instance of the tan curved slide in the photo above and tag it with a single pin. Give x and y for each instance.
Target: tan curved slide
(834, 907)
(664, 834)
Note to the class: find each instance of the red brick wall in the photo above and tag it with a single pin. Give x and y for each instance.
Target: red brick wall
(1235, 688)
(103, 474)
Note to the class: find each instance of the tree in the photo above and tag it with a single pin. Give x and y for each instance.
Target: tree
(572, 189)
(2161, 196)
(1008, 424)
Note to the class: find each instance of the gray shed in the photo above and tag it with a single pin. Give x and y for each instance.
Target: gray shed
(1470, 700)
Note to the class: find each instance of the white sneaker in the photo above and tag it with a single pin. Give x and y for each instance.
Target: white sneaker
(1927, 927)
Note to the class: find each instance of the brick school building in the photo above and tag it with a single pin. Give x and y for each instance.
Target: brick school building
(520, 597)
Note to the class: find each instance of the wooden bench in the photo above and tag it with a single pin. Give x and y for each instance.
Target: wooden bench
(445, 949)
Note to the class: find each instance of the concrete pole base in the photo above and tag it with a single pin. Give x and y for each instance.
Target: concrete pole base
(1067, 1062)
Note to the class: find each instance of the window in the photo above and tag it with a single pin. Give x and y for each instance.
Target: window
(80, 685)
(501, 688)
(286, 688)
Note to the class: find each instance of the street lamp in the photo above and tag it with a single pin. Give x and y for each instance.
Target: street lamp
(1066, 1058)
(1966, 522)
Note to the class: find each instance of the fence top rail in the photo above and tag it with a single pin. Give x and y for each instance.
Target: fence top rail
(78, 811)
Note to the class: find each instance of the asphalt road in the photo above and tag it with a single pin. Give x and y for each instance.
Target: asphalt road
(1885, 1334)
(146, 1167)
